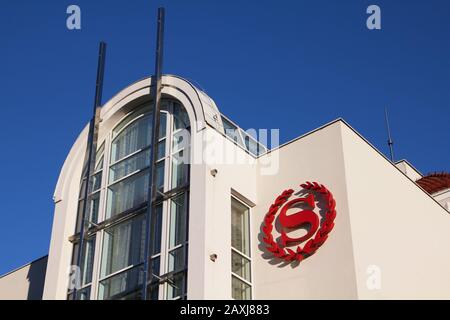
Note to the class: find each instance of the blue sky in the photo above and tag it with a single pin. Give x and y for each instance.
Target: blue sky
(286, 64)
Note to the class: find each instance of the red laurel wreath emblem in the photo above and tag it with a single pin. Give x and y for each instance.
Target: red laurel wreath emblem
(312, 244)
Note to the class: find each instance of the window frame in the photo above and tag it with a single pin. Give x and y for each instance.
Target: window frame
(105, 223)
(239, 138)
(248, 257)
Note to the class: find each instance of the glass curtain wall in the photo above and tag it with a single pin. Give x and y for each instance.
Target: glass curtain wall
(113, 253)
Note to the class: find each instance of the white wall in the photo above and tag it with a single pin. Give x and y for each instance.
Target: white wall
(383, 220)
(210, 216)
(64, 219)
(395, 226)
(25, 283)
(329, 273)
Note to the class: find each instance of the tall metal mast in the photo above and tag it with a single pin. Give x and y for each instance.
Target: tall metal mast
(390, 141)
(155, 90)
(91, 150)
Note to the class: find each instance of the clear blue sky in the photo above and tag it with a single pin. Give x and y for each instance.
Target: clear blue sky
(293, 65)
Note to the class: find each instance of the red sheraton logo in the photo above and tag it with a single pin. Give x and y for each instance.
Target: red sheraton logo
(318, 225)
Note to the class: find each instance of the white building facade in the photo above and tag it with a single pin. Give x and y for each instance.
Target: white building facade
(366, 230)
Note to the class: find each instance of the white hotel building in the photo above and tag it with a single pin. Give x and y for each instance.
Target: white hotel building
(378, 231)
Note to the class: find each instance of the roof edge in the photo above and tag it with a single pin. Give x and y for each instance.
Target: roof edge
(23, 266)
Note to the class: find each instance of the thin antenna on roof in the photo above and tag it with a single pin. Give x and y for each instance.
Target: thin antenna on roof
(390, 141)
(155, 90)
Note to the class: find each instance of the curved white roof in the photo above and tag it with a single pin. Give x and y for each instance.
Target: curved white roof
(202, 111)
(203, 108)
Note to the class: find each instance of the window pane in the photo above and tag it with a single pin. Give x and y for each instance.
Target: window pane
(153, 288)
(250, 144)
(156, 268)
(96, 181)
(100, 150)
(133, 138)
(121, 285)
(74, 274)
(79, 216)
(156, 231)
(227, 125)
(178, 215)
(240, 238)
(240, 290)
(130, 165)
(92, 215)
(99, 165)
(82, 189)
(94, 206)
(180, 117)
(179, 169)
(240, 265)
(153, 292)
(159, 172)
(162, 125)
(177, 259)
(138, 112)
(127, 194)
(232, 131)
(161, 152)
(180, 140)
(176, 286)
(134, 295)
(87, 261)
(123, 245)
(83, 294)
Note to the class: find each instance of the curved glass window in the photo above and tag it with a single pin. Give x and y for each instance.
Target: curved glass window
(133, 138)
(123, 245)
(129, 166)
(127, 194)
(85, 272)
(117, 206)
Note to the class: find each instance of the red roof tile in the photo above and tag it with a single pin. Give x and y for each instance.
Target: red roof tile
(435, 182)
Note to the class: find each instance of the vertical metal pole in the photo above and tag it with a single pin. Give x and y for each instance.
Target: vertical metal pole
(91, 149)
(390, 141)
(156, 96)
